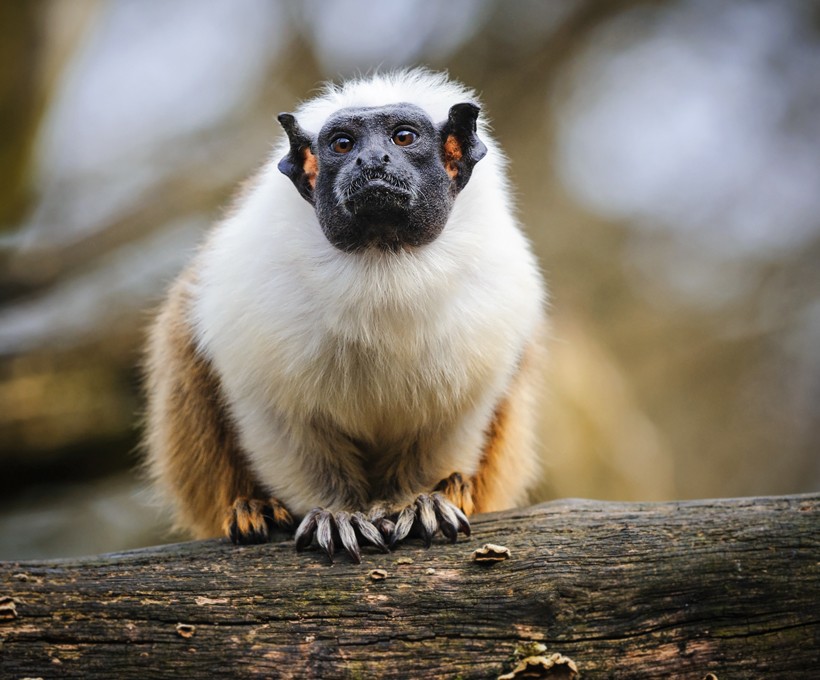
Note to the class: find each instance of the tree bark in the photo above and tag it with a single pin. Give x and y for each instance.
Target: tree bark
(683, 590)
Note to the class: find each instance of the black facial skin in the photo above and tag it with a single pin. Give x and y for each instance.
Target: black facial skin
(387, 176)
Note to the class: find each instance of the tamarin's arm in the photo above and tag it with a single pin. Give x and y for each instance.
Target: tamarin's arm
(193, 452)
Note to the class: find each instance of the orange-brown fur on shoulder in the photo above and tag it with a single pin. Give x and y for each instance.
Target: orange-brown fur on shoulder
(192, 446)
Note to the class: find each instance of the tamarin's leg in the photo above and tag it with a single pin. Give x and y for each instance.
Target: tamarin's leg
(193, 450)
(510, 462)
(508, 466)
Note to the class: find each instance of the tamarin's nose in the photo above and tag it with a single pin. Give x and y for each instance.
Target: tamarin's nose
(373, 158)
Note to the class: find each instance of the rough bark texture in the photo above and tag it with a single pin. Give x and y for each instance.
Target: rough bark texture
(729, 587)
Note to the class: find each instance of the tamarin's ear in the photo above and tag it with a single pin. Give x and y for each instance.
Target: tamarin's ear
(300, 164)
(462, 148)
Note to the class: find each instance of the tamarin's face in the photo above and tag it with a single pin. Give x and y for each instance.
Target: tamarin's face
(383, 177)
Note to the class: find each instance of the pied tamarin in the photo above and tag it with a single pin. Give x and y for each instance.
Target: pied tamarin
(356, 348)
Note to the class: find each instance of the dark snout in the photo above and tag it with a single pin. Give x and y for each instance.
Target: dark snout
(376, 185)
(375, 191)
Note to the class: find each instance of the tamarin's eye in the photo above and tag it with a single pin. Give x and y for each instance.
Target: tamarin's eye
(342, 145)
(404, 137)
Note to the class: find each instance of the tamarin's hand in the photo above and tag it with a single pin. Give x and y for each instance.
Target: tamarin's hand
(384, 525)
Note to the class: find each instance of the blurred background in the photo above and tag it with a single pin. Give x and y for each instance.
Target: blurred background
(666, 157)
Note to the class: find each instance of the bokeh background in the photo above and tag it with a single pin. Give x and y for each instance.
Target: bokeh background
(666, 157)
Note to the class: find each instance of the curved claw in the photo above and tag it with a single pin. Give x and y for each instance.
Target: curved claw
(330, 529)
(307, 528)
(429, 514)
(368, 532)
(428, 522)
(324, 533)
(377, 516)
(451, 514)
(463, 522)
(404, 524)
(348, 536)
(447, 519)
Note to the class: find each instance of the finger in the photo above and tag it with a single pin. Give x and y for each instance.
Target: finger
(245, 524)
(377, 516)
(463, 522)
(386, 528)
(448, 522)
(258, 528)
(376, 513)
(277, 515)
(403, 525)
(324, 533)
(241, 526)
(348, 536)
(427, 518)
(368, 532)
(307, 528)
(232, 528)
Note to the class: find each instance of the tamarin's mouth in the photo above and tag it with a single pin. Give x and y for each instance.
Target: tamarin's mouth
(378, 197)
(374, 189)
(369, 176)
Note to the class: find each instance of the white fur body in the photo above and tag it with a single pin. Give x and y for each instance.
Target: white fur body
(383, 369)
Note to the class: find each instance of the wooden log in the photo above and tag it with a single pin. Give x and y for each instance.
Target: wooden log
(680, 590)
